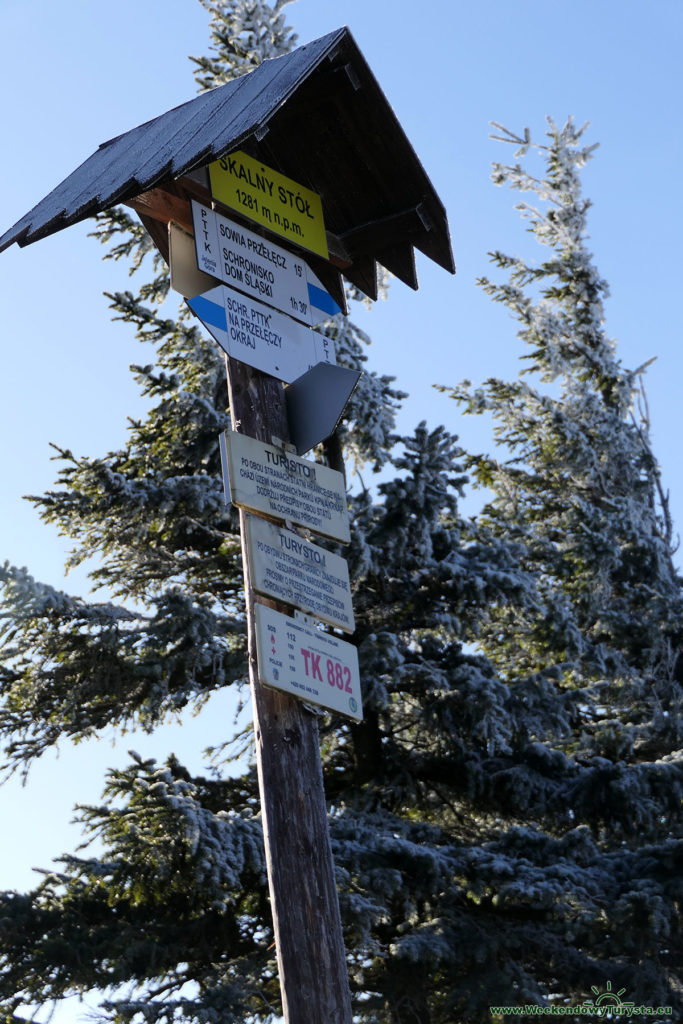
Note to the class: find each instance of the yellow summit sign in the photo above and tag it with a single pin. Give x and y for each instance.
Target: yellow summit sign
(271, 199)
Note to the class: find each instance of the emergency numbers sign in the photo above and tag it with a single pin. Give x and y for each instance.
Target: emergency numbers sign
(307, 663)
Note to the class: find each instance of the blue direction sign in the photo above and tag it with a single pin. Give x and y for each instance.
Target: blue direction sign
(259, 268)
(258, 335)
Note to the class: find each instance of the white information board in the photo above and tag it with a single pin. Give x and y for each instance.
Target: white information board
(258, 267)
(287, 567)
(259, 336)
(266, 479)
(303, 661)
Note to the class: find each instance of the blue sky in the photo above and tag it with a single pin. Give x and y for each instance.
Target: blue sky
(77, 73)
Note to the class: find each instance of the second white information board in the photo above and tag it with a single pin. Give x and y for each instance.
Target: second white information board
(285, 566)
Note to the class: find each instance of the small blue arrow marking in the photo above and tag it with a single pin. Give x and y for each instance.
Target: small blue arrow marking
(210, 312)
(321, 299)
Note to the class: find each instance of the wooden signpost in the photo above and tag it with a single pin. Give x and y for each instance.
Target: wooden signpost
(306, 920)
(259, 299)
(287, 654)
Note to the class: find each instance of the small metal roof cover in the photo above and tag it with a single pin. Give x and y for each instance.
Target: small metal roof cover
(317, 115)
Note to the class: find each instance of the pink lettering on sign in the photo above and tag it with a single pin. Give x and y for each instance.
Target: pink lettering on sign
(314, 663)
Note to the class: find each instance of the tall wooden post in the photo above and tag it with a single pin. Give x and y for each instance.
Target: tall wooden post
(306, 920)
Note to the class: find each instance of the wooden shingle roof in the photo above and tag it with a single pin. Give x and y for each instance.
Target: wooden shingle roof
(317, 115)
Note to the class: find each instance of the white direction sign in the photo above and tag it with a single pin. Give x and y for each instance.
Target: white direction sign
(264, 478)
(287, 567)
(259, 268)
(255, 334)
(303, 661)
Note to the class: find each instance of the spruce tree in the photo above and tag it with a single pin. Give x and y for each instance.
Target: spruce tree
(506, 820)
(576, 488)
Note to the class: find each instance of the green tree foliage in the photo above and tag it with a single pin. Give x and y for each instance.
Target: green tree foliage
(506, 821)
